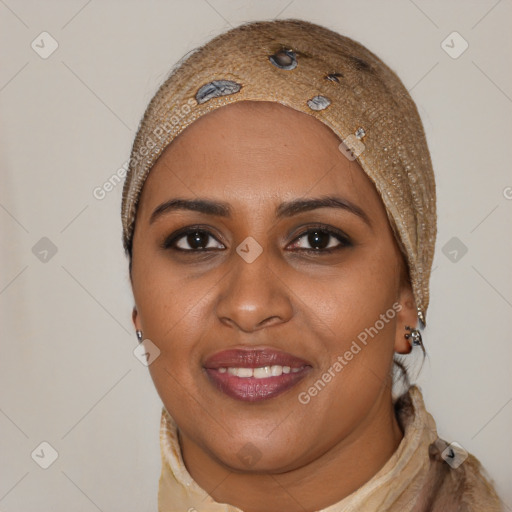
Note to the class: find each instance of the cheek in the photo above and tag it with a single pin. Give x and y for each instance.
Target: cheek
(171, 307)
(174, 312)
(352, 296)
(358, 321)
(358, 306)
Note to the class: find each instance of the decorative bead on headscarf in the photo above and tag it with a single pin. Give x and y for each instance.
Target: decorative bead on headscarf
(319, 72)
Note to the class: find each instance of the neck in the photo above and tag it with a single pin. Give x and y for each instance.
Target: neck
(323, 482)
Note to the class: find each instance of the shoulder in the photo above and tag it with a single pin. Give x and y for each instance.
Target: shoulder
(456, 482)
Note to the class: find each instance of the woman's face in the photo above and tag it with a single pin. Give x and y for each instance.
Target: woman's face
(276, 318)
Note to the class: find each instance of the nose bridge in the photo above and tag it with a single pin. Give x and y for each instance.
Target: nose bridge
(252, 294)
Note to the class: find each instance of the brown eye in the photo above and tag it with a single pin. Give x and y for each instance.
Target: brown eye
(195, 240)
(318, 239)
(321, 240)
(192, 240)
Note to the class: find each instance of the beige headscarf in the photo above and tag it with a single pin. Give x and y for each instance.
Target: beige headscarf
(321, 73)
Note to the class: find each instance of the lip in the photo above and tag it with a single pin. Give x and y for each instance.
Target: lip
(251, 389)
(253, 358)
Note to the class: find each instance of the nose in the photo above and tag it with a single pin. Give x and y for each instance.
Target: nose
(253, 296)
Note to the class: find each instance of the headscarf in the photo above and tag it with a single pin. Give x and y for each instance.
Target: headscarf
(331, 77)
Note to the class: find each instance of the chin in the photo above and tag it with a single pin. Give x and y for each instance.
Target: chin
(252, 455)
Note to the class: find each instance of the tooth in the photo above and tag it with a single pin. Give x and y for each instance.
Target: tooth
(276, 370)
(261, 373)
(244, 372)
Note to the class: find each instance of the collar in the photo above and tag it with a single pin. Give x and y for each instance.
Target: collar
(393, 487)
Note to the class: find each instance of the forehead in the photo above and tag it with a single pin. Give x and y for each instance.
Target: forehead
(256, 149)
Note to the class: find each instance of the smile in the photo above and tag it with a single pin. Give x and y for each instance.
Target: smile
(263, 372)
(252, 375)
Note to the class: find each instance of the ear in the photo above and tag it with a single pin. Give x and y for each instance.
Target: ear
(406, 316)
(136, 319)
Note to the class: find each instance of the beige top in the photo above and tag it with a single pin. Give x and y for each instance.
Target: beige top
(416, 478)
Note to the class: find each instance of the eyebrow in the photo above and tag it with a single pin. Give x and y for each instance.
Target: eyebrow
(284, 210)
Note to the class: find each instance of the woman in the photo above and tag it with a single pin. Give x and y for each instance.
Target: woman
(279, 217)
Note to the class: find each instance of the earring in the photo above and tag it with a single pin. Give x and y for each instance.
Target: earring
(139, 335)
(414, 336)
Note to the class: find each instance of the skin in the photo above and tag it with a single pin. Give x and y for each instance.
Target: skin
(255, 156)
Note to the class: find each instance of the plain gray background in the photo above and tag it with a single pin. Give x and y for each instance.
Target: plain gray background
(68, 376)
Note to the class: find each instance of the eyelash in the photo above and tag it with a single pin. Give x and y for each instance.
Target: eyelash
(339, 235)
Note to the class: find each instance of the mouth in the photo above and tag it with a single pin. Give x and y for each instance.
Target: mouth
(255, 374)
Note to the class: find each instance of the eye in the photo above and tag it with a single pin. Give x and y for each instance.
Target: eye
(321, 239)
(192, 240)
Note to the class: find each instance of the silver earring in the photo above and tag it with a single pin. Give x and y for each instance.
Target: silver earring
(414, 336)
(139, 335)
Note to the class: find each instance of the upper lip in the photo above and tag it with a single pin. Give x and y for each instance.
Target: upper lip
(253, 358)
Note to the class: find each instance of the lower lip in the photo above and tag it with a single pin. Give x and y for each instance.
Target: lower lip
(250, 389)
